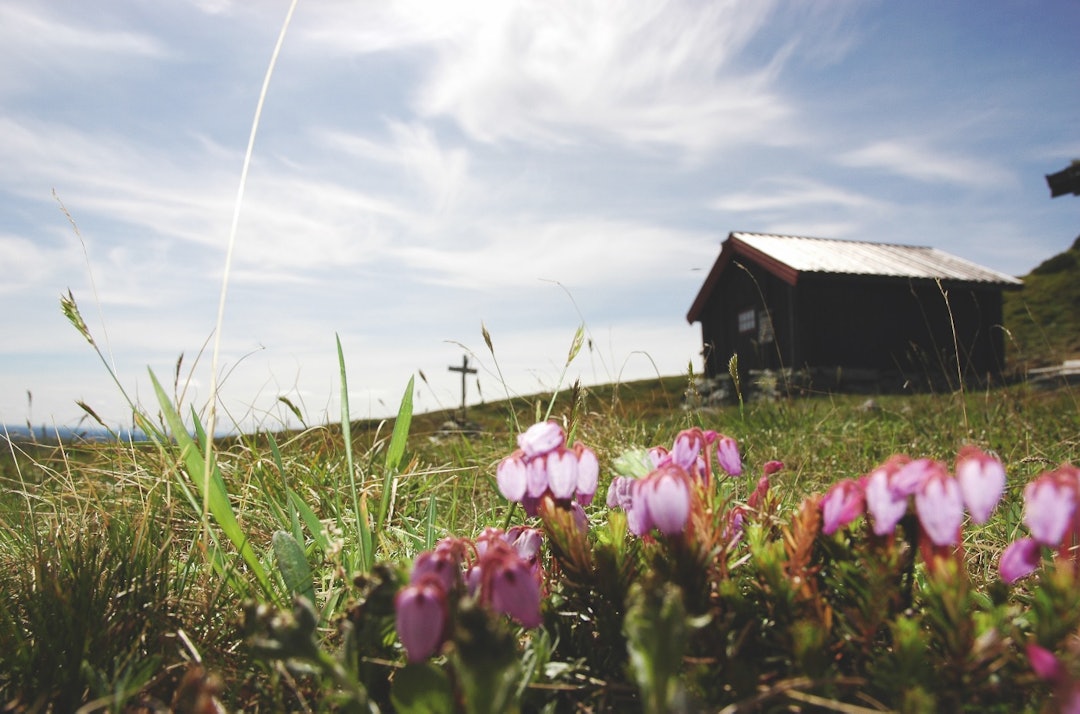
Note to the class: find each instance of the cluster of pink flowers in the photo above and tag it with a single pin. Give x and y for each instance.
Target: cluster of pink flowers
(543, 464)
(940, 497)
(1053, 520)
(500, 570)
(1050, 669)
(662, 498)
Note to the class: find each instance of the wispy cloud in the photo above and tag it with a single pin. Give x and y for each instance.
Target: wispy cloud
(40, 37)
(654, 73)
(916, 160)
(792, 194)
(593, 253)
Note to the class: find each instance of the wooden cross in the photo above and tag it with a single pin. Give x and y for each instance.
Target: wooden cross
(465, 370)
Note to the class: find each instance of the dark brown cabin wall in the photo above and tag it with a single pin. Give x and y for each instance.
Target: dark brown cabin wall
(899, 325)
(748, 287)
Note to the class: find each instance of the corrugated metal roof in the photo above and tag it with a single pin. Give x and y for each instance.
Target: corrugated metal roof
(826, 255)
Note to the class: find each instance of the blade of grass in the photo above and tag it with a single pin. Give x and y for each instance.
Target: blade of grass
(395, 452)
(575, 347)
(360, 510)
(294, 521)
(429, 526)
(211, 487)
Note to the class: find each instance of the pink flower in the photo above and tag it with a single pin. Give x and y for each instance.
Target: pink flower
(526, 542)
(841, 505)
(982, 481)
(420, 619)
(882, 502)
(588, 474)
(619, 492)
(687, 448)
(544, 465)
(911, 476)
(515, 591)
(733, 528)
(512, 476)
(1019, 559)
(658, 455)
(442, 564)
(727, 455)
(638, 519)
(757, 496)
(667, 495)
(1044, 663)
(562, 472)
(536, 476)
(1050, 506)
(772, 467)
(940, 506)
(541, 438)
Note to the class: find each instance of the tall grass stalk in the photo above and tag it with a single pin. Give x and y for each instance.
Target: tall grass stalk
(211, 418)
(359, 499)
(575, 347)
(956, 351)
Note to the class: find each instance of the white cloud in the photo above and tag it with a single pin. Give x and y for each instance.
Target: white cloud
(915, 160)
(26, 264)
(586, 252)
(792, 194)
(655, 72)
(35, 37)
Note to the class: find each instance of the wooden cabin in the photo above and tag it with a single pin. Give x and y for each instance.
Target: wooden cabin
(835, 306)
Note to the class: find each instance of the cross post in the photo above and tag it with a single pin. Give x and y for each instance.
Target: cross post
(465, 370)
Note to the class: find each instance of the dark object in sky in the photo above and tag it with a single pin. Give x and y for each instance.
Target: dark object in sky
(836, 307)
(1065, 181)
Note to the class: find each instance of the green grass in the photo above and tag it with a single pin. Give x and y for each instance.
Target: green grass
(105, 563)
(1043, 318)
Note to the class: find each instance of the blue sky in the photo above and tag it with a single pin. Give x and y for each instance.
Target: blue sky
(425, 167)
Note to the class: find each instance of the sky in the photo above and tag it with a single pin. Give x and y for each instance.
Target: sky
(424, 170)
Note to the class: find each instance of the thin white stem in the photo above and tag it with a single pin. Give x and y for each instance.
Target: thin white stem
(211, 418)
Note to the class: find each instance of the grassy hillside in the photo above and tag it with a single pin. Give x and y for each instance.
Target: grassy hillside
(1043, 319)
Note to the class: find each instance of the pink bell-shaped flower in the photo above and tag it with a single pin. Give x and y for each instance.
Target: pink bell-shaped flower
(982, 481)
(420, 619)
(1019, 559)
(940, 506)
(727, 455)
(885, 504)
(562, 472)
(588, 474)
(667, 493)
(1049, 507)
(541, 438)
(841, 505)
(512, 477)
(514, 591)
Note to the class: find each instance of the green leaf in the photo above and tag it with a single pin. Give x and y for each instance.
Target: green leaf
(293, 565)
(363, 528)
(395, 452)
(429, 526)
(401, 429)
(314, 525)
(656, 636)
(634, 463)
(211, 487)
(422, 689)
